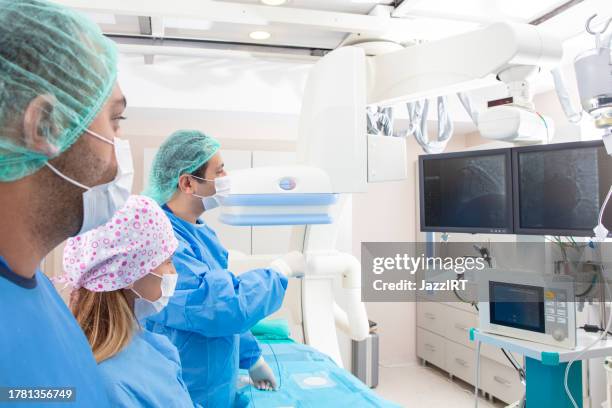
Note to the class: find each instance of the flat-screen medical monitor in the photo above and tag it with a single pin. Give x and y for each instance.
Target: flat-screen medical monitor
(518, 306)
(466, 192)
(559, 188)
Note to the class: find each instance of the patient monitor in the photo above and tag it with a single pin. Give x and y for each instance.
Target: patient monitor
(528, 306)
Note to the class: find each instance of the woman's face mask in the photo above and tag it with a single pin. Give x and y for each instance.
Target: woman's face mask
(101, 202)
(144, 308)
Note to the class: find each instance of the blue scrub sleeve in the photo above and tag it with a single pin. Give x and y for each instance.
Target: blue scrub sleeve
(120, 397)
(215, 302)
(249, 350)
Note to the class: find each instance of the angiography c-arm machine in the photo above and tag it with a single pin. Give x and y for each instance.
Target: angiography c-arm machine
(337, 156)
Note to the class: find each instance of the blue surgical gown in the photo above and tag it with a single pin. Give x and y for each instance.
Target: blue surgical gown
(209, 316)
(41, 344)
(146, 374)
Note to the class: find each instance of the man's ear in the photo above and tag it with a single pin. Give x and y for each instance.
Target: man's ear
(38, 125)
(185, 184)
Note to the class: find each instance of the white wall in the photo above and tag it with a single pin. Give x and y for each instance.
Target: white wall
(214, 84)
(387, 212)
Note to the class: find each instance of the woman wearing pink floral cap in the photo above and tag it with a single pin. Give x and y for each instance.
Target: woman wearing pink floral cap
(122, 272)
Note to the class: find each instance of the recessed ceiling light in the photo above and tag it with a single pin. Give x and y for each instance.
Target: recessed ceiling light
(273, 2)
(260, 35)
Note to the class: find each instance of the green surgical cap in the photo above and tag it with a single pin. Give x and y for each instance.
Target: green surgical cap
(50, 51)
(183, 152)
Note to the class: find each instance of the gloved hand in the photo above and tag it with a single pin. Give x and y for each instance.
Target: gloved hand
(262, 375)
(292, 264)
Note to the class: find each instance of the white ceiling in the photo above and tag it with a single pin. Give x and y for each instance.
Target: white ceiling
(480, 10)
(345, 6)
(325, 23)
(281, 35)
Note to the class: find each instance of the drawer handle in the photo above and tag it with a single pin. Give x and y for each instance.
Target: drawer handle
(502, 381)
(430, 316)
(462, 328)
(430, 347)
(461, 362)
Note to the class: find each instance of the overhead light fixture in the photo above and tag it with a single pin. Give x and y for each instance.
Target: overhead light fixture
(259, 35)
(273, 2)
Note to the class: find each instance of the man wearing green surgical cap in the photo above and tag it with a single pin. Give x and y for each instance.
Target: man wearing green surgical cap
(62, 171)
(210, 316)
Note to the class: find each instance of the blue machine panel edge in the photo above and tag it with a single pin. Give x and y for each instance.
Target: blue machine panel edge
(279, 219)
(252, 200)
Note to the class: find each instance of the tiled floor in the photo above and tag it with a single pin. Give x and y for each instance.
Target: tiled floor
(415, 386)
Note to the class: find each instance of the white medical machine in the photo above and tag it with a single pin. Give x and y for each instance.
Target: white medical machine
(594, 76)
(337, 157)
(262, 200)
(528, 306)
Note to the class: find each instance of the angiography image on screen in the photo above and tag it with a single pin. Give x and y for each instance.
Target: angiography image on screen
(466, 192)
(562, 189)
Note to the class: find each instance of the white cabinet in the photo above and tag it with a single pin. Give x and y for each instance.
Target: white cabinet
(460, 361)
(431, 347)
(457, 324)
(500, 380)
(443, 340)
(430, 315)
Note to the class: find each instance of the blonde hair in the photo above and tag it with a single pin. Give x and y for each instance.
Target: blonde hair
(106, 318)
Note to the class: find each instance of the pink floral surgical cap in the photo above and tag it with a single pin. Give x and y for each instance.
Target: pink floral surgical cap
(137, 239)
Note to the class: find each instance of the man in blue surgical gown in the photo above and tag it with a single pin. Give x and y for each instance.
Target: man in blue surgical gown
(60, 109)
(210, 315)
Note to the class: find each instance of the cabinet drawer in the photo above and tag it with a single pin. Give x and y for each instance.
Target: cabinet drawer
(431, 316)
(430, 296)
(495, 354)
(466, 307)
(501, 381)
(460, 361)
(458, 325)
(431, 347)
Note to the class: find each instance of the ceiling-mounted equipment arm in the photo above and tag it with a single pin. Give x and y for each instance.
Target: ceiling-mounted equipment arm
(333, 133)
(457, 63)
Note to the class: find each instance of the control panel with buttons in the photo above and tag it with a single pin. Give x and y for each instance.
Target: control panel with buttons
(555, 314)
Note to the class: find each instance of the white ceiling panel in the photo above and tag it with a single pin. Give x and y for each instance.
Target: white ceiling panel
(327, 23)
(479, 10)
(121, 25)
(281, 35)
(344, 6)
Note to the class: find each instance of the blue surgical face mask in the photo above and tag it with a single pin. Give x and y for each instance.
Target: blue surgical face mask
(144, 308)
(222, 190)
(101, 202)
